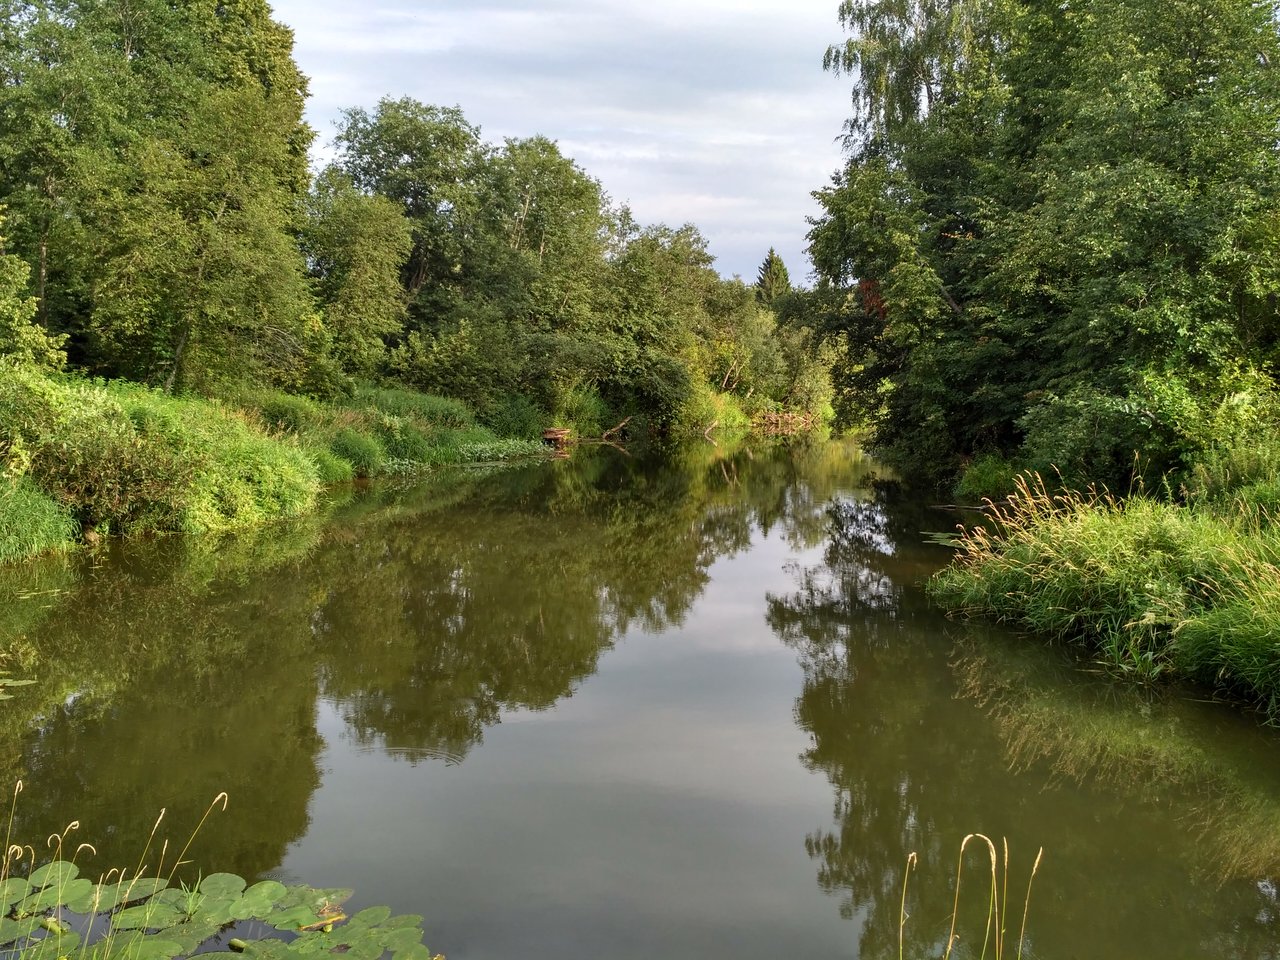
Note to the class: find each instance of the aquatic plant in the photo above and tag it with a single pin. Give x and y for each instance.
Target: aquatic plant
(997, 913)
(51, 912)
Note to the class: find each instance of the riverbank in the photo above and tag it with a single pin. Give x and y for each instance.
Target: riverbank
(81, 458)
(1155, 589)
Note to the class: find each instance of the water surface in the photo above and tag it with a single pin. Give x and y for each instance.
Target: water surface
(688, 706)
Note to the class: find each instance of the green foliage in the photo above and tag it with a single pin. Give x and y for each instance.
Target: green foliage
(285, 412)
(147, 919)
(515, 415)
(356, 245)
(773, 280)
(31, 522)
(426, 408)
(153, 174)
(365, 454)
(21, 340)
(1000, 264)
(581, 408)
(130, 459)
(708, 411)
(1152, 587)
(989, 477)
(331, 469)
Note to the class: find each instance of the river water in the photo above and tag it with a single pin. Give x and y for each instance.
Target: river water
(619, 707)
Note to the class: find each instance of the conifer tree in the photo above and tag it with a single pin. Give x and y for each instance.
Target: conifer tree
(773, 280)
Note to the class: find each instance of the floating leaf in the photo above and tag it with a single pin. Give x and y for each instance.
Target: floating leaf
(51, 948)
(13, 890)
(416, 952)
(402, 940)
(139, 888)
(146, 948)
(14, 930)
(272, 890)
(292, 918)
(55, 873)
(371, 916)
(147, 916)
(54, 896)
(222, 885)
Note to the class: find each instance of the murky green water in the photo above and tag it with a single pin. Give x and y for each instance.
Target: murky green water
(626, 708)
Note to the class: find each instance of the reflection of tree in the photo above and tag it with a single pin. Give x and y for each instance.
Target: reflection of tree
(173, 670)
(915, 767)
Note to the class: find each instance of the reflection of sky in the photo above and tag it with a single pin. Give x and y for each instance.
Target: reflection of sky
(660, 811)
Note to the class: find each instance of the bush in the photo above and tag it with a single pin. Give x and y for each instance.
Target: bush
(126, 458)
(331, 468)
(31, 522)
(515, 415)
(990, 477)
(1152, 587)
(583, 409)
(1096, 439)
(429, 409)
(288, 413)
(705, 407)
(362, 451)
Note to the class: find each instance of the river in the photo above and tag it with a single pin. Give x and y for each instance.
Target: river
(685, 706)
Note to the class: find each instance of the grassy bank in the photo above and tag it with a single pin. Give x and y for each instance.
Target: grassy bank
(82, 458)
(1155, 588)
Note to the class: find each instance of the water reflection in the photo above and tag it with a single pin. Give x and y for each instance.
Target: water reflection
(926, 742)
(413, 620)
(172, 670)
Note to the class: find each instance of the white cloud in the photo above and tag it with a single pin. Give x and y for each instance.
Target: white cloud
(709, 111)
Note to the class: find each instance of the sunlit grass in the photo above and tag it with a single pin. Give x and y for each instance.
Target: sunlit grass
(1154, 588)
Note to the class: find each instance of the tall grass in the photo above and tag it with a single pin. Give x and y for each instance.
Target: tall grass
(31, 522)
(1154, 588)
(122, 458)
(996, 929)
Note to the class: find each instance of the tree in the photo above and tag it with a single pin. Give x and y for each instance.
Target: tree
(20, 337)
(427, 160)
(1043, 199)
(772, 281)
(155, 177)
(356, 245)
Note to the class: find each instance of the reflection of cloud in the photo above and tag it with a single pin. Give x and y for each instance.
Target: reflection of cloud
(699, 110)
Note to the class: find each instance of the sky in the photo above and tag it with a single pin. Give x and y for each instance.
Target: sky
(715, 112)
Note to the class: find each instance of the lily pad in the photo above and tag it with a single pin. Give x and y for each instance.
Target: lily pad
(55, 873)
(147, 916)
(222, 885)
(54, 896)
(13, 890)
(272, 890)
(12, 931)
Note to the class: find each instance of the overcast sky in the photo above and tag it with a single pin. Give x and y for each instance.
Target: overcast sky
(715, 112)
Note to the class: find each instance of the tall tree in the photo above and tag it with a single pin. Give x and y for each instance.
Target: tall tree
(1046, 199)
(772, 280)
(156, 181)
(356, 245)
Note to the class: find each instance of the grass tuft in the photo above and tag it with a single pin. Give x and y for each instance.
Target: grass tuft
(1154, 588)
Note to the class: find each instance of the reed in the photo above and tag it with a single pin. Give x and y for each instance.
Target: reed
(996, 929)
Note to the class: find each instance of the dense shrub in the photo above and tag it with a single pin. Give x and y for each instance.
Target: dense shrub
(361, 450)
(989, 477)
(129, 459)
(515, 415)
(440, 411)
(331, 468)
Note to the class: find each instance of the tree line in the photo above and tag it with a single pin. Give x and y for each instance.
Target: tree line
(162, 225)
(1054, 242)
